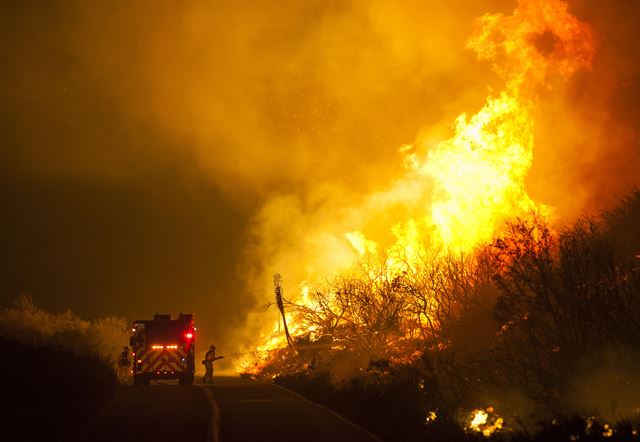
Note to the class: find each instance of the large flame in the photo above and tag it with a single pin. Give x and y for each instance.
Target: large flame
(474, 181)
(460, 191)
(477, 177)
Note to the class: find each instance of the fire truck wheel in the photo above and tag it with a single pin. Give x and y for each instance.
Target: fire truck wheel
(185, 379)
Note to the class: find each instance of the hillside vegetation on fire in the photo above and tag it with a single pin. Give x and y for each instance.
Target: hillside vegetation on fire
(538, 325)
(479, 313)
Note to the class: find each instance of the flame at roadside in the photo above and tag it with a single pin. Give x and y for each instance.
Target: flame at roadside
(456, 194)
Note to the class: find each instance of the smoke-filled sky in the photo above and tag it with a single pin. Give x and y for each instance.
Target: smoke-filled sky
(169, 156)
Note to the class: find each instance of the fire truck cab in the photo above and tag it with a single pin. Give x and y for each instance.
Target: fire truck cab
(163, 348)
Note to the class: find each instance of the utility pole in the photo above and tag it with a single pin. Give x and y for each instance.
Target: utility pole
(277, 286)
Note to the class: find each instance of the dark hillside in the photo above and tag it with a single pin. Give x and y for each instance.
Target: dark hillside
(49, 391)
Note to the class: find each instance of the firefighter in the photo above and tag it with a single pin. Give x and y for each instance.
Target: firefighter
(209, 358)
(123, 366)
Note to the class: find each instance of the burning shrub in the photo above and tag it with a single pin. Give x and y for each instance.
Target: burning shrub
(525, 322)
(362, 313)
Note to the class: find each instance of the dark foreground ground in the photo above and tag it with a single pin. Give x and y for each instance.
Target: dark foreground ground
(48, 391)
(244, 410)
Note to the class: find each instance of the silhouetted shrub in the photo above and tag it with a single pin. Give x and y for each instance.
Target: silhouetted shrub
(27, 323)
(49, 392)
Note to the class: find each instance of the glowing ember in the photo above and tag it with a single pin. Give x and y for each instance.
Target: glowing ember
(485, 422)
(479, 418)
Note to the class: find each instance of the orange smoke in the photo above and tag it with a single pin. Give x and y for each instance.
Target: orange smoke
(538, 39)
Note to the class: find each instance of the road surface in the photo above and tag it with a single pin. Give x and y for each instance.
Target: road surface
(155, 413)
(231, 410)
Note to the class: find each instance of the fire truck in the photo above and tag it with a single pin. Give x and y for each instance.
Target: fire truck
(163, 348)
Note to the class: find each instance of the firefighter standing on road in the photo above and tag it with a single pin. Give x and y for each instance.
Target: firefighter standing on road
(123, 366)
(208, 364)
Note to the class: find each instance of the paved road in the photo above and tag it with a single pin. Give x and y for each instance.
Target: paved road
(240, 410)
(252, 411)
(155, 413)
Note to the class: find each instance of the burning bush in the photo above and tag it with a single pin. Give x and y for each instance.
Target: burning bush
(512, 325)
